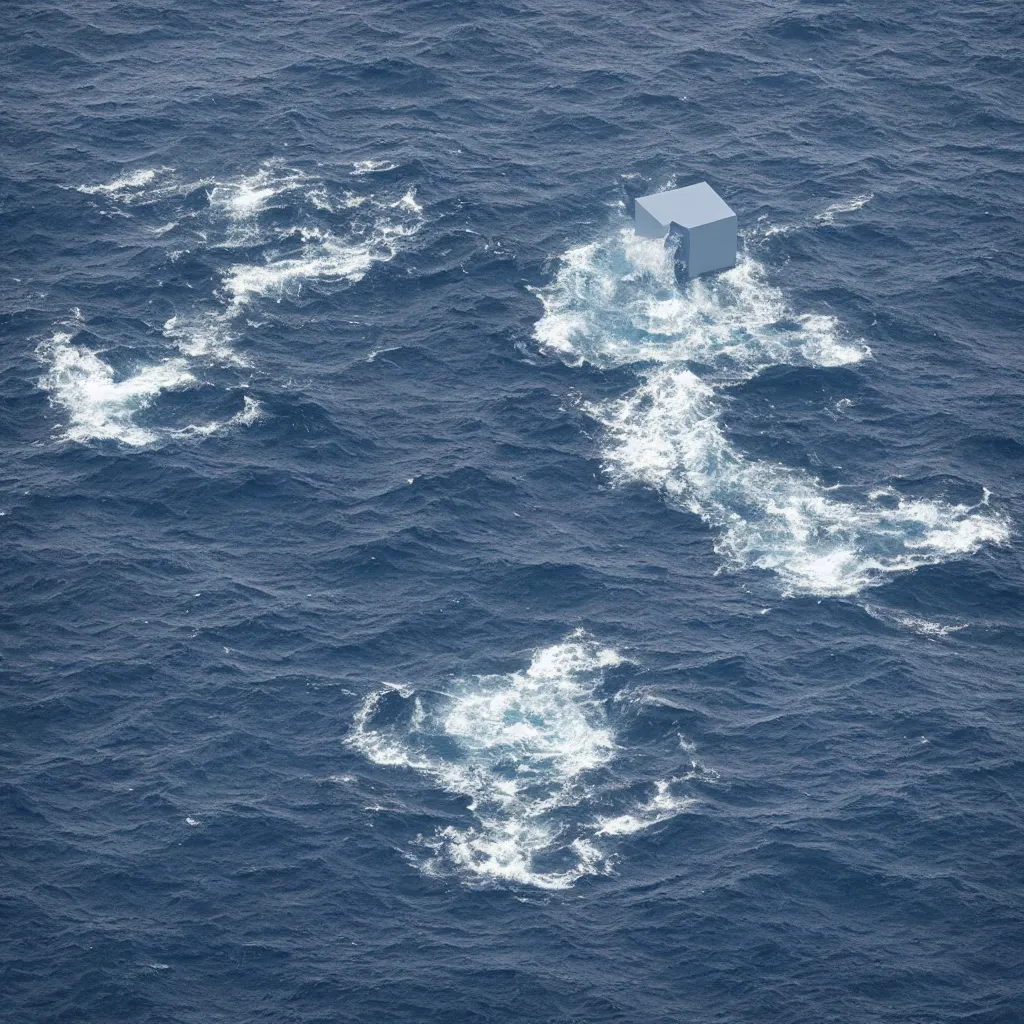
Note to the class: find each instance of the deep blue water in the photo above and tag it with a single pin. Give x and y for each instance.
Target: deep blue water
(420, 603)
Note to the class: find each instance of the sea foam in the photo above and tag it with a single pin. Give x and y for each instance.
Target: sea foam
(529, 751)
(615, 301)
(126, 184)
(103, 405)
(320, 231)
(98, 405)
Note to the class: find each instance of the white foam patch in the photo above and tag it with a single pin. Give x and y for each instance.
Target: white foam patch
(241, 200)
(663, 805)
(372, 166)
(127, 183)
(833, 210)
(207, 336)
(100, 407)
(322, 199)
(616, 302)
(334, 235)
(923, 627)
(526, 749)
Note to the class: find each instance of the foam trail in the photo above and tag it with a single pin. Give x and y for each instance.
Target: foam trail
(127, 183)
(829, 214)
(323, 258)
(924, 627)
(326, 237)
(99, 407)
(252, 412)
(764, 228)
(616, 302)
(372, 166)
(526, 749)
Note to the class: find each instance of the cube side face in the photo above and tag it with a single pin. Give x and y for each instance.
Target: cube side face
(646, 224)
(712, 247)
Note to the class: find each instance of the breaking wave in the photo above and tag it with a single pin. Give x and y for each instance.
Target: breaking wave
(826, 219)
(126, 185)
(296, 228)
(833, 210)
(98, 405)
(530, 751)
(616, 302)
(102, 405)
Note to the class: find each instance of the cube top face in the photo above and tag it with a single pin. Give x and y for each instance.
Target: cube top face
(689, 207)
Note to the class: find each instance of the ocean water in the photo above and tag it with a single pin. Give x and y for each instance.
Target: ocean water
(421, 603)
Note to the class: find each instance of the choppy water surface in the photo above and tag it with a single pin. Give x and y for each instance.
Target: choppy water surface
(421, 603)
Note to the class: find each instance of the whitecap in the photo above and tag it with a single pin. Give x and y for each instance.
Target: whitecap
(372, 166)
(327, 259)
(526, 750)
(833, 210)
(130, 181)
(250, 413)
(408, 202)
(324, 257)
(615, 301)
(769, 230)
(924, 627)
(663, 805)
(99, 406)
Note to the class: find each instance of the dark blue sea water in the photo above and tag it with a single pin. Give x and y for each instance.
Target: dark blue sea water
(421, 603)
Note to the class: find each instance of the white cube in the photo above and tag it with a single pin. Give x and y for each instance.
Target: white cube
(707, 224)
